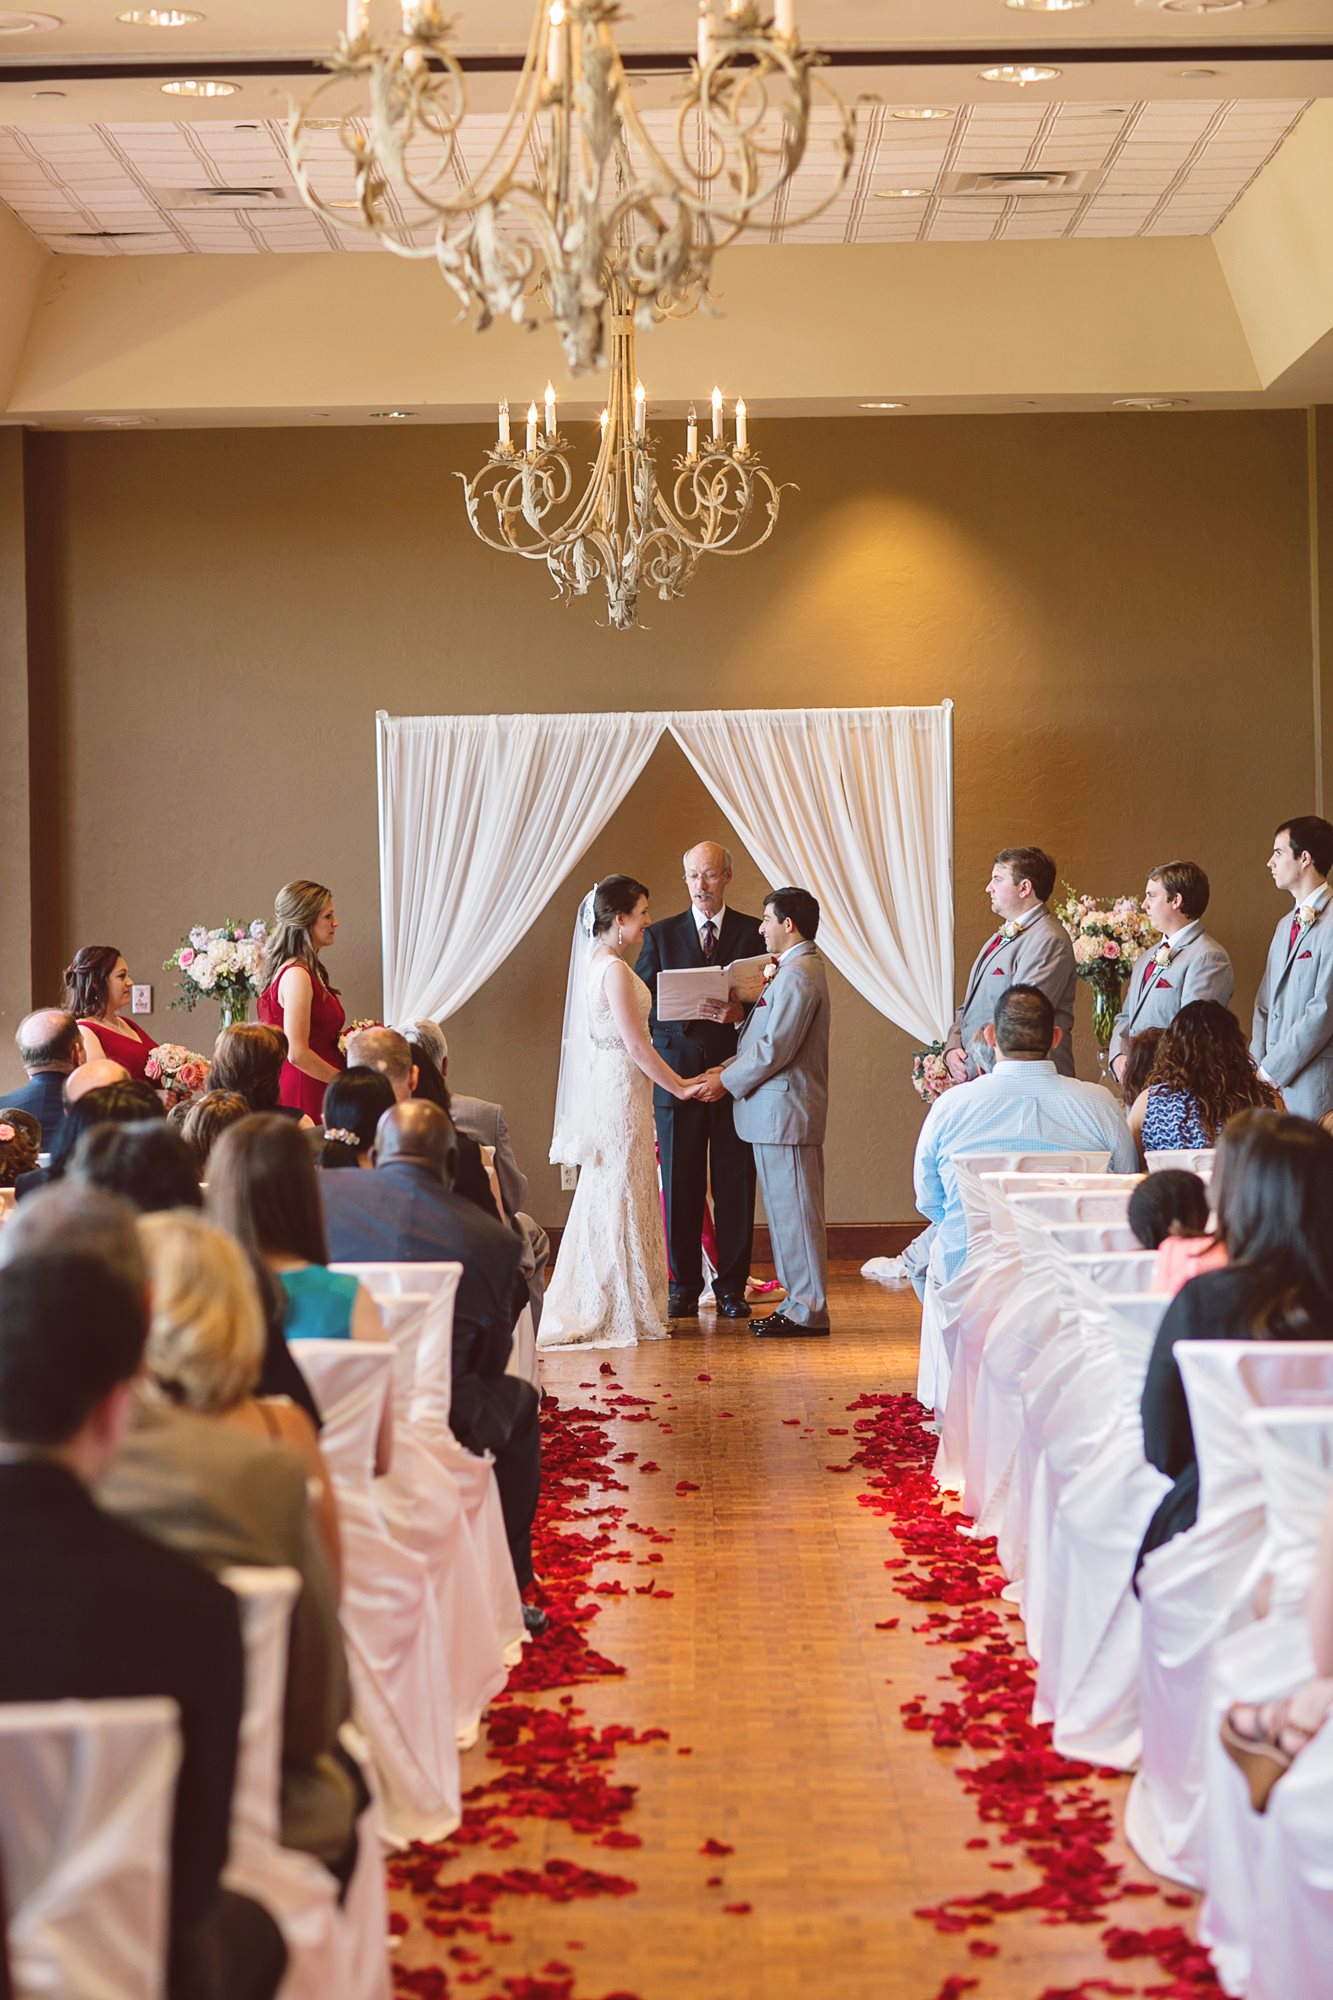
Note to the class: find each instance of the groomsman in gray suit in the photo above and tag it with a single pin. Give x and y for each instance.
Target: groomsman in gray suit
(779, 1079)
(1293, 1014)
(1187, 965)
(1031, 948)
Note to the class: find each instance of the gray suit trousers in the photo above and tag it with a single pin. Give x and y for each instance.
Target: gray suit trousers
(791, 1180)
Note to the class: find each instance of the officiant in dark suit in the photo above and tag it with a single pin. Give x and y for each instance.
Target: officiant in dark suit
(688, 1133)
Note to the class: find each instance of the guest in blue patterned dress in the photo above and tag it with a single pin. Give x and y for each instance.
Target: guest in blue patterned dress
(1202, 1074)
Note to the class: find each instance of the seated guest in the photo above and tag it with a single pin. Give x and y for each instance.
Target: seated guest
(206, 1118)
(93, 1609)
(413, 1075)
(20, 1143)
(474, 1117)
(1266, 1739)
(124, 1102)
(354, 1103)
(96, 1076)
(227, 1478)
(1274, 1195)
(50, 1046)
(1168, 1212)
(98, 990)
(249, 1059)
(149, 1164)
(1024, 1105)
(1138, 1053)
(1202, 1074)
(407, 1212)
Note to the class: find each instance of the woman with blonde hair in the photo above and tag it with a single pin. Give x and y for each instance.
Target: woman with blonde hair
(297, 996)
(206, 1346)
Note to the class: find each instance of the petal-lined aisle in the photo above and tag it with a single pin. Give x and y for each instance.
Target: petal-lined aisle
(701, 1786)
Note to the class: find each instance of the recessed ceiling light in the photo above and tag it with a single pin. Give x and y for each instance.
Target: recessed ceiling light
(396, 415)
(923, 111)
(1046, 6)
(1149, 403)
(883, 406)
(1198, 6)
(118, 423)
(12, 23)
(48, 93)
(200, 86)
(1020, 73)
(1196, 75)
(158, 17)
(902, 194)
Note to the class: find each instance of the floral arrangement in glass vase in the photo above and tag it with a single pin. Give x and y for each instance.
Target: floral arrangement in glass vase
(930, 1076)
(1107, 939)
(177, 1069)
(222, 965)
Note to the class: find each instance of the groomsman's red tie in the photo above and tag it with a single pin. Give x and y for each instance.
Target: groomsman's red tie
(994, 944)
(1295, 933)
(709, 938)
(1149, 970)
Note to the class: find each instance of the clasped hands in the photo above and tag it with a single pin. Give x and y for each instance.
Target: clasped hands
(705, 1089)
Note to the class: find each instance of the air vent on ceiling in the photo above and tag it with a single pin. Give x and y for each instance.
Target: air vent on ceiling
(224, 197)
(1023, 181)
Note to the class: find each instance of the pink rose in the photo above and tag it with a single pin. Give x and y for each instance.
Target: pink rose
(186, 958)
(6, 1135)
(1110, 949)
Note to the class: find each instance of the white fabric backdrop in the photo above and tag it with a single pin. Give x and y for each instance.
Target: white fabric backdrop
(853, 804)
(482, 817)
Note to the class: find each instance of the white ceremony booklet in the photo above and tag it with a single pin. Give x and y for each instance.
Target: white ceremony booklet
(680, 994)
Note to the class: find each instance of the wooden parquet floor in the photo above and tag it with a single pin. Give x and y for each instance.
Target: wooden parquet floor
(766, 1663)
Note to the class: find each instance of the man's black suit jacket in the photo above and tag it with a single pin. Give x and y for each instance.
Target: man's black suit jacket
(690, 1047)
(401, 1214)
(91, 1609)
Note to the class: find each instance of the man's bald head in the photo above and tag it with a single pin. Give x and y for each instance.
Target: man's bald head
(385, 1050)
(49, 1039)
(94, 1076)
(421, 1134)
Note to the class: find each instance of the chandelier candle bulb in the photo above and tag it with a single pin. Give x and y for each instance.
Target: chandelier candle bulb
(705, 33)
(784, 19)
(603, 421)
(717, 416)
(692, 433)
(504, 426)
(555, 42)
(550, 411)
(358, 18)
(640, 401)
(741, 431)
(532, 427)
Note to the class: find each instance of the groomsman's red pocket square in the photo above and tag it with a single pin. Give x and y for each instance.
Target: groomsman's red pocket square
(1307, 954)
(1164, 986)
(1000, 971)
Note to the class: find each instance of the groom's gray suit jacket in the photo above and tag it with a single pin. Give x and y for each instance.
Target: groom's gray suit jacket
(1293, 1015)
(779, 1075)
(1041, 955)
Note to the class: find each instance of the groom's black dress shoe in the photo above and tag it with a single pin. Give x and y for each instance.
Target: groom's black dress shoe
(535, 1620)
(778, 1326)
(681, 1306)
(732, 1309)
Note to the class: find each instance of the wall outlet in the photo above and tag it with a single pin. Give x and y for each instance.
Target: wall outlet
(142, 1001)
(569, 1179)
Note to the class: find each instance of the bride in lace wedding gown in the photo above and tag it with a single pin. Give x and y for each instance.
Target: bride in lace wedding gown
(609, 1288)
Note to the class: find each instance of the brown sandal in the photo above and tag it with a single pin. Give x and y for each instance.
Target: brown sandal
(1261, 1759)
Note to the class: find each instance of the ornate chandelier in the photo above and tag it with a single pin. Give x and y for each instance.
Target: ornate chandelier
(622, 531)
(575, 185)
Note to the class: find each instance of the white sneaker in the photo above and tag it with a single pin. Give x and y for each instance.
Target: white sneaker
(886, 1271)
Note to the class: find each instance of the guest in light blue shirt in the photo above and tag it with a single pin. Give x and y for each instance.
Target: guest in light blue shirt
(1023, 1106)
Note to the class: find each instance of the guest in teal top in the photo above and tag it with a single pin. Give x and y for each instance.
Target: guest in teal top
(320, 1303)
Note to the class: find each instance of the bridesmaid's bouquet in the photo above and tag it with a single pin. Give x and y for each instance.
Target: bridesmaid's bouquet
(930, 1074)
(222, 965)
(172, 1067)
(354, 1028)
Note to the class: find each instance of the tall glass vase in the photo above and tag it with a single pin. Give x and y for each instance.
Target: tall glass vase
(1106, 1003)
(234, 1012)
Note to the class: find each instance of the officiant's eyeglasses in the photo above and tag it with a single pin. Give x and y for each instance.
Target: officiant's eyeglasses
(705, 874)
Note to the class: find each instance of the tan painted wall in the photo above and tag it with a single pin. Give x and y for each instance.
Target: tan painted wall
(1119, 607)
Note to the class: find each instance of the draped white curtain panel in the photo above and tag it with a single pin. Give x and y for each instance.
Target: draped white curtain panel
(483, 817)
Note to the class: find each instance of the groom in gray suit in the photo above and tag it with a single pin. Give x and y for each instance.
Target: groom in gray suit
(1293, 1014)
(1187, 965)
(779, 1079)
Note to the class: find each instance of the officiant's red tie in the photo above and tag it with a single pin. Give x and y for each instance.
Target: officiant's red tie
(709, 938)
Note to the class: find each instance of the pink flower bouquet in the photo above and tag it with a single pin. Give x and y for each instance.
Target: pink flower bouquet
(173, 1067)
(930, 1075)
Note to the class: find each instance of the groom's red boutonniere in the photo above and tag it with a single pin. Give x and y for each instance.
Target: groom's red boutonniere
(770, 972)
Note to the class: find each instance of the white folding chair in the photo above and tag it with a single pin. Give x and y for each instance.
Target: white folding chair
(87, 1793)
(400, 1672)
(1200, 1584)
(1262, 1661)
(1294, 1893)
(474, 1472)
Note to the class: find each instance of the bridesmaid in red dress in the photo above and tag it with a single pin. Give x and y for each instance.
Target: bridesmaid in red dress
(298, 998)
(97, 988)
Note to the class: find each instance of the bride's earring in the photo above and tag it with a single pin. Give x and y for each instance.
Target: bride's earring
(619, 934)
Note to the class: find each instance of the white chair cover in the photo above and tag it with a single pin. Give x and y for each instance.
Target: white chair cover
(421, 1501)
(474, 1472)
(1088, 1677)
(1200, 1163)
(1200, 1585)
(87, 1791)
(400, 1673)
(943, 1301)
(1294, 1893)
(1261, 1662)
